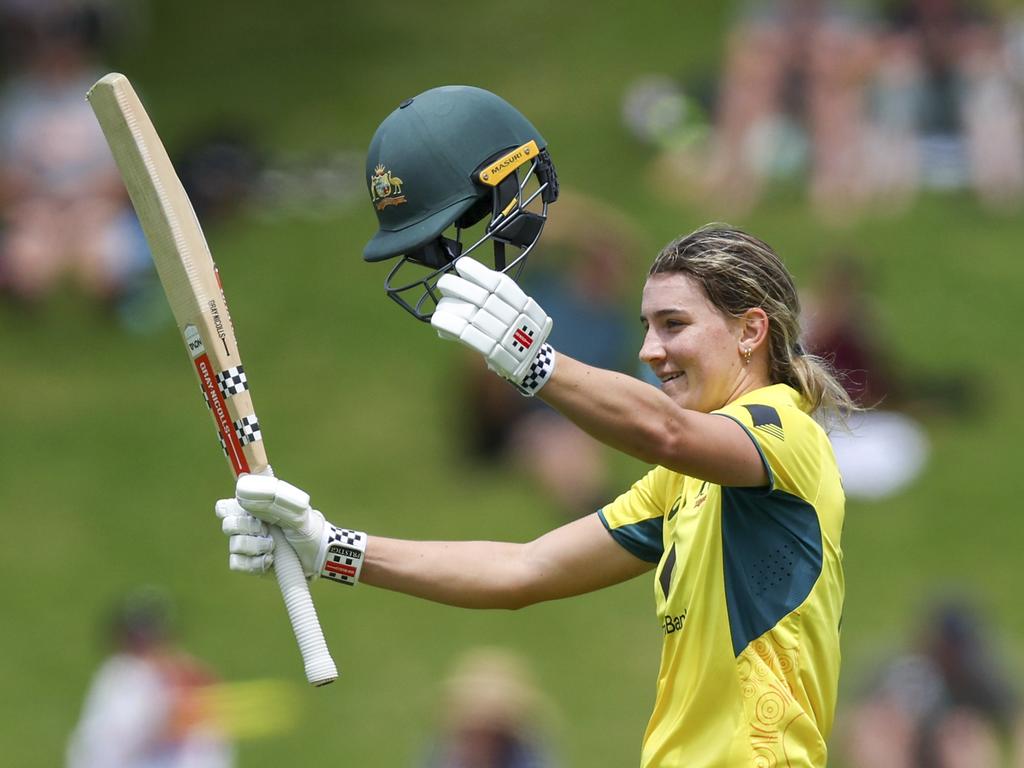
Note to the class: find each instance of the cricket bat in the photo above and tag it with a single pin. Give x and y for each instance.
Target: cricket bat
(193, 288)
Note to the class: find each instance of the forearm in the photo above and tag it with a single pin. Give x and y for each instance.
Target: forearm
(623, 412)
(467, 574)
(573, 559)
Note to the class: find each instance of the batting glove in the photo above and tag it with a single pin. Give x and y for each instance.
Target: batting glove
(322, 548)
(488, 312)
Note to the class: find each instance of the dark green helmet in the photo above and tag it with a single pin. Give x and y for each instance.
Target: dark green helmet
(448, 158)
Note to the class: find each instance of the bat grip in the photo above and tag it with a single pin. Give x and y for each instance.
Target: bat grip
(320, 668)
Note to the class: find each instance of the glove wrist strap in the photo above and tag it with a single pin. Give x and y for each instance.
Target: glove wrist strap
(540, 371)
(345, 550)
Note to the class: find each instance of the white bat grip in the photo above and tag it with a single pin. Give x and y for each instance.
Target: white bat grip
(320, 668)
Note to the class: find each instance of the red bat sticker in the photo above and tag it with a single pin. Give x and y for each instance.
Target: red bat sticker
(221, 415)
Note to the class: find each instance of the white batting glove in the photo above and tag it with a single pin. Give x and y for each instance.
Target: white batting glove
(488, 312)
(322, 548)
(250, 546)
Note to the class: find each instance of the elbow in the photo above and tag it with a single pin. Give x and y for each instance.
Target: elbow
(505, 597)
(518, 601)
(527, 580)
(522, 592)
(660, 445)
(666, 441)
(508, 582)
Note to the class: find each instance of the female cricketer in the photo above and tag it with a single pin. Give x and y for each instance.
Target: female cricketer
(739, 520)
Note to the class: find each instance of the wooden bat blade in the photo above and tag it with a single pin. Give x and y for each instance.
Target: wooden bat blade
(183, 261)
(165, 212)
(190, 280)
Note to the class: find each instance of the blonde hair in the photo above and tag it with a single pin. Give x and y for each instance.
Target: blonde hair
(739, 272)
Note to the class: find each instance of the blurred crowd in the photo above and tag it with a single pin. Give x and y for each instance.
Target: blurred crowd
(64, 214)
(152, 703)
(492, 714)
(867, 103)
(148, 704)
(945, 701)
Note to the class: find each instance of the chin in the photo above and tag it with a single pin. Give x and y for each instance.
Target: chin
(681, 396)
(691, 401)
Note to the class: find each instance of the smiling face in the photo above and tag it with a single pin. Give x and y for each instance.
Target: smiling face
(692, 347)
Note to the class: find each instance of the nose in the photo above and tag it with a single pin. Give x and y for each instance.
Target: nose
(652, 350)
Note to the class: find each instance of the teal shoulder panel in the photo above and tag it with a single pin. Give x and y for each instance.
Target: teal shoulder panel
(642, 539)
(772, 556)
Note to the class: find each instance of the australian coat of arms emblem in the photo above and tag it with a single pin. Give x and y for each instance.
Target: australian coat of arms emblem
(385, 188)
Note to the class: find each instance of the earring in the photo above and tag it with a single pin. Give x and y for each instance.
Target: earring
(747, 352)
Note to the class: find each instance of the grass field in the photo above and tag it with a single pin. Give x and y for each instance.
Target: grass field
(109, 470)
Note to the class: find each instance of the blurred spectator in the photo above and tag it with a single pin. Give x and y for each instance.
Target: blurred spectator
(792, 96)
(145, 707)
(842, 326)
(925, 95)
(491, 715)
(885, 449)
(220, 169)
(946, 111)
(226, 173)
(63, 207)
(578, 275)
(947, 703)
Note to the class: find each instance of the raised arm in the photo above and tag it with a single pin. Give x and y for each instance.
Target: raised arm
(642, 421)
(486, 311)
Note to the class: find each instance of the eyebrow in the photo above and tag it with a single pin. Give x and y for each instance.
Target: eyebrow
(667, 311)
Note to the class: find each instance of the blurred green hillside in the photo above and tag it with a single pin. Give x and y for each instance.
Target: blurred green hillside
(109, 470)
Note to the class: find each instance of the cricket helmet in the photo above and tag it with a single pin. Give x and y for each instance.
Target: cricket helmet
(446, 160)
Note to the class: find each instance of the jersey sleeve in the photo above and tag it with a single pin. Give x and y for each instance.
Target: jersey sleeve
(782, 438)
(636, 518)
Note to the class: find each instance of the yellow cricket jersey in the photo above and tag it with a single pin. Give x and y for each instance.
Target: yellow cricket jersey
(749, 593)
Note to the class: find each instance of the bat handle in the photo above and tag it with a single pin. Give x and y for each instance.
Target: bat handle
(320, 667)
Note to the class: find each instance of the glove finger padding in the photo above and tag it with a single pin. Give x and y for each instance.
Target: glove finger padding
(245, 564)
(250, 545)
(458, 319)
(488, 312)
(459, 288)
(235, 520)
(279, 503)
(451, 317)
(225, 508)
(475, 272)
(272, 500)
(497, 283)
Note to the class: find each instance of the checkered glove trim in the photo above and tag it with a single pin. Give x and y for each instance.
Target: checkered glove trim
(345, 550)
(540, 371)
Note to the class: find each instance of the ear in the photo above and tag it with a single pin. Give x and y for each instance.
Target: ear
(753, 328)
